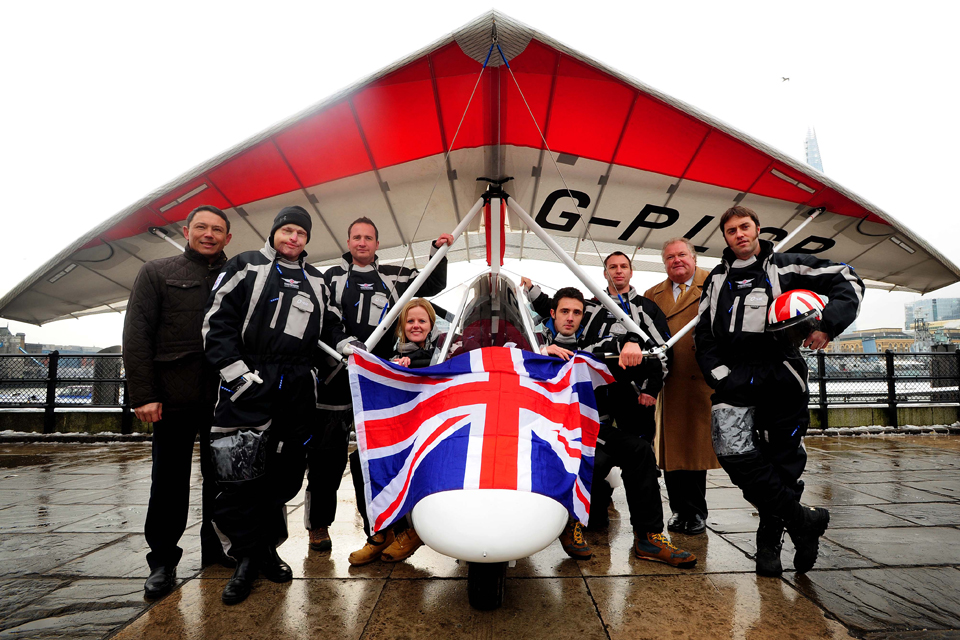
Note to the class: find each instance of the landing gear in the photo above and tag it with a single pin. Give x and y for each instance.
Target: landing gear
(485, 584)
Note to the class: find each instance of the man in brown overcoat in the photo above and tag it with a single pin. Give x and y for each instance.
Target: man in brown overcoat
(685, 450)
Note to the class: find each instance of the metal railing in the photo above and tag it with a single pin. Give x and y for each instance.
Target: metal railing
(887, 380)
(53, 381)
(884, 380)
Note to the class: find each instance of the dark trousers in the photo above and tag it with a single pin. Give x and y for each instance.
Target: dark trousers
(687, 491)
(261, 472)
(326, 461)
(769, 476)
(251, 515)
(173, 439)
(638, 470)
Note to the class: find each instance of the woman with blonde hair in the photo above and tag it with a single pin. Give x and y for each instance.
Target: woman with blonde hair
(415, 346)
(416, 340)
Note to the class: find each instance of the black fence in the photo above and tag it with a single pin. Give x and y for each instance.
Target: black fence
(887, 380)
(883, 379)
(55, 381)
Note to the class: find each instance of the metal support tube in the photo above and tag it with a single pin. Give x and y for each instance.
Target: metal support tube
(600, 294)
(162, 234)
(330, 351)
(790, 236)
(493, 233)
(411, 291)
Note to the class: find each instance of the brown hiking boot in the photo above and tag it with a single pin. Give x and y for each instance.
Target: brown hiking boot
(403, 546)
(654, 546)
(372, 550)
(573, 542)
(320, 539)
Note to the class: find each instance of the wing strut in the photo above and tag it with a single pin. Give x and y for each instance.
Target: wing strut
(419, 280)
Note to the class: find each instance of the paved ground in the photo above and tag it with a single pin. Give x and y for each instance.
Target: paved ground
(72, 563)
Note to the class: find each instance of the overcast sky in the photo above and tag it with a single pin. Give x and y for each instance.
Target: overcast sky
(103, 102)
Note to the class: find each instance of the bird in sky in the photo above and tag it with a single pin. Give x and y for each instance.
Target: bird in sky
(785, 79)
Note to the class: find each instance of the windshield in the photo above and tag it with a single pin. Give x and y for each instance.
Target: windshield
(490, 316)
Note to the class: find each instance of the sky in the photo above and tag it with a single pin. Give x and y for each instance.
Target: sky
(105, 101)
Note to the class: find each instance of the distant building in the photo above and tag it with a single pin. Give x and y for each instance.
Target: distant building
(17, 344)
(813, 150)
(932, 310)
(10, 342)
(872, 341)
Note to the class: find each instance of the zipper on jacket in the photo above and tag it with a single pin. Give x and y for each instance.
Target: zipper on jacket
(733, 314)
(276, 313)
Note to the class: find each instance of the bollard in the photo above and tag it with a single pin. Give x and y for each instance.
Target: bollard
(824, 412)
(49, 416)
(891, 391)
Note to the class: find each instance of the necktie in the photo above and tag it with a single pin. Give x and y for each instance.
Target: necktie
(683, 287)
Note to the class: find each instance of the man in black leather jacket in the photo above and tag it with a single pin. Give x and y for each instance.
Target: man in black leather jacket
(171, 386)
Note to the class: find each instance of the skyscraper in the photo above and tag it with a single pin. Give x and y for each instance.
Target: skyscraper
(813, 150)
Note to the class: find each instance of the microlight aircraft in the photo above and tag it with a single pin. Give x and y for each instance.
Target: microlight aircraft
(568, 160)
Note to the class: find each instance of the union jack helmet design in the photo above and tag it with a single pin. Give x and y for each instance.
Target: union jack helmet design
(794, 315)
(792, 307)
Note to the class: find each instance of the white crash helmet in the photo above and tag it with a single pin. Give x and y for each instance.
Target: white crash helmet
(794, 315)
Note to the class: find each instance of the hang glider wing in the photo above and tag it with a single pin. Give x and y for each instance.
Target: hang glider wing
(596, 158)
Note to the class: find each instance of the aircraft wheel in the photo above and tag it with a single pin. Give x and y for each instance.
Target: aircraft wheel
(485, 584)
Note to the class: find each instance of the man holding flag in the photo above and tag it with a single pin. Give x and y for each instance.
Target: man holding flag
(616, 447)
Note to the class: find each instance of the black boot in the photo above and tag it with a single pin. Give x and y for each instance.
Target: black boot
(769, 544)
(238, 587)
(273, 567)
(805, 533)
(161, 581)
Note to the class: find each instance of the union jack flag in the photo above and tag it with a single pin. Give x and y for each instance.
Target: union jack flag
(493, 418)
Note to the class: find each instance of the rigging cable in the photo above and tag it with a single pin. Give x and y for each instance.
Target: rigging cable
(446, 156)
(553, 159)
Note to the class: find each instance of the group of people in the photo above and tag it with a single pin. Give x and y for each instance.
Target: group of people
(229, 350)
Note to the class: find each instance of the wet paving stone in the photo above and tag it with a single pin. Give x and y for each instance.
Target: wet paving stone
(122, 519)
(901, 545)
(129, 497)
(864, 517)
(724, 498)
(18, 496)
(930, 514)
(887, 599)
(80, 609)
(924, 634)
(33, 518)
(299, 609)
(733, 520)
(549, 608)
(949, 488)
(346, 538)
(16, 593)
(708, 606)
(26, 554)
(826, 494)
(896, 492)
(127, 558)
